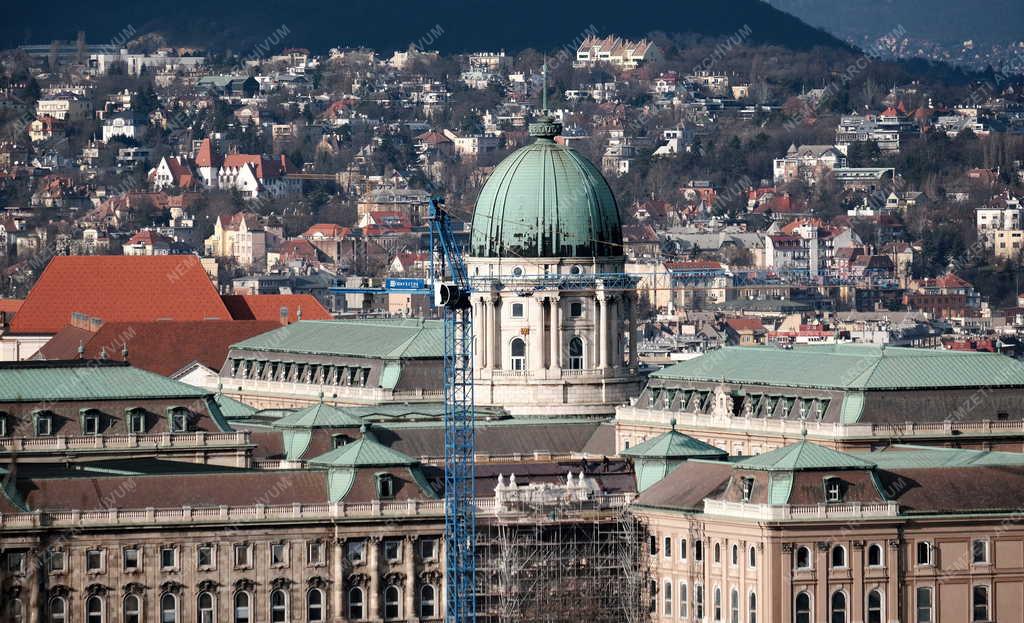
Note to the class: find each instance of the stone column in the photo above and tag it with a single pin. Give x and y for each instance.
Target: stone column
(535, 354)
(601, 333)
(788, 593)
(555, 337)
(494, 334)
(821, 595)
(480, 321)
(409, 568)
(633, 356)
(614, 333)
(893, 587)
(338, 572)
(373, 570)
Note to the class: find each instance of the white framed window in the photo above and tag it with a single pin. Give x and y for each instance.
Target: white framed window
(802, 558)
(316, 553)
(392, 550)
(979, 551)
(355, 603)
(734, 556)
(752, 607)
(802, 608)
(698, 601)
(875, 558)
(56, 561)
(94, 610)
(57, 609)
(132, 558)
(576, 353)
(518, 353)
(137, 422)
(392, 603)
(717, 558)
(15, 563)
(734, 606)
(44, 425)
(94, 560)
(314, 605)
(206, 556)
(3, 426)
(168, 557)
(278, 554)
(925, 553)
(517, 310)
(132, 610)
(833, 490)
(980, 603)
(575, 309)
(666, 597)
(278, 607)
(428, 601)
(874, 609)
(242, 606)
(684, 597)
(205, 608)
(428, 548)
(91, 424)
(838, 607)
(168, 608)
(667, 548)
(838, 557)
(355, 551)
(752, 557)
(179, 421)
(242, 554)
(925, 605)
(682, 549)
(716, 604)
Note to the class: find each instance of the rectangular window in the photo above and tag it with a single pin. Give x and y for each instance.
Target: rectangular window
(168, 557)
(392, 550)
(682, 549)
(979, 600)
(204, 556)
(654, 545)
(137, 423)
(55, 561)
(979, 551)
(315, 553)
(278, 554)
(91, 425)
(666, 595)
(924, 553)
(44, 425)
(698, 551)
(668, 547)
(684, 606)
(517, 310)
(179, 422)
(132, 558)
(16, 563)
(924, 605)
(575, 309)
(698, 601)
(355, 551)
(242, 558)
(428, 549)
(94, 560)
(3, 426)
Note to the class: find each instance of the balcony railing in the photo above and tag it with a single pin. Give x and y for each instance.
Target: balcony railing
(823, 512)
(198, 439)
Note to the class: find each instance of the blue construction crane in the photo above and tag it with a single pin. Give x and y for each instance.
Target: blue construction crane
(451, 290)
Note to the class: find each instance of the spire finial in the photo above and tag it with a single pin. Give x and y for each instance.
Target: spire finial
(672, 422)
(544, 87)
(81, 349)
(124, 351)
(803, 430)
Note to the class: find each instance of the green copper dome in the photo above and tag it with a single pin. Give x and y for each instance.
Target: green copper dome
(546, 200)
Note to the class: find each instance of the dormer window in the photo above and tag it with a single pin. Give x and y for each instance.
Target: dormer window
(385, 486)
(746, 488)
(178, 420)
(90, 422)
(340, 440)
(44, 424)
(137, 422)
(3, 426)
(833, 490)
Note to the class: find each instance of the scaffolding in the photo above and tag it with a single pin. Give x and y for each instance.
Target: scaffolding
(562, 555)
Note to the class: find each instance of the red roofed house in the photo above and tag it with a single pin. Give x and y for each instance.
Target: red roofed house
(147, 242)
(115, 289)
(745, 331)
(253, 175)
(243, 236)
(283, 308)
(172, 172)
(947, 296)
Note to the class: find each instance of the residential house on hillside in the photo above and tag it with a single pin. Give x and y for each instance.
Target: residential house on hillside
(620, 52)
(245, 237)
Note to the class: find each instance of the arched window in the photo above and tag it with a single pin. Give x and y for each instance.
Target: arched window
(428, 597)
(718, 604)
(717, 553)
(752, 557)
(803, 558)
(518, 350)
(94, 610)
(132, 611)
(58, 610)
(839, 556)
(242, 601)
(315, 605)
(666, 596)
(698, 601)
(278, 607)
(684, 610)
(735, 555)
(874, 607)
(802, 611)
(355, 603)
(576, 354)
(752, 607)
(204, 605)
(392, 602)
(838, 607)
(734, 606)
(875, 555)
(168, 608)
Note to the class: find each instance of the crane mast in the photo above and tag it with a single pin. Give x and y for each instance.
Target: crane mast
(451, 290)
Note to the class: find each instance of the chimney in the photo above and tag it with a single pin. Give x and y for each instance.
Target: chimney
(284, 315)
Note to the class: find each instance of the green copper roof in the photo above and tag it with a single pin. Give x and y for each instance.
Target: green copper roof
(673, 445)
(373, 339)
(56, 383)
(803, 456)
(319, 415)
(850, 367)
(546, 200)
(233, 409)
(365, 452)
(780, 485)
(908, 456)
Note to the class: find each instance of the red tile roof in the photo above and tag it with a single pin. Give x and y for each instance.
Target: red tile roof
(119, 289)
(268, 307)
(10, 306)
(162, 347)
(745, 324)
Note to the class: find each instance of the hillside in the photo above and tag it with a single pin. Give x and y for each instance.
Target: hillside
(446, 25)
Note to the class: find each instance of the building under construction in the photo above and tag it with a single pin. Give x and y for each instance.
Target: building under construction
(558, 553)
